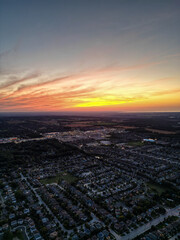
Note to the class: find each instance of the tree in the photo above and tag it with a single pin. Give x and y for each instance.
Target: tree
(19, 195)
(7, 235)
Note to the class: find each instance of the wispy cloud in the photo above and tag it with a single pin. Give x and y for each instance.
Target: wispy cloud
(15, 80)
(92, 73)
(91, 88)
(166, 92)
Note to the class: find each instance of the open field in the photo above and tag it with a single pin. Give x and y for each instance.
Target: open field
(60, 177)
(135, 144)
(160, 131)
(157, 188)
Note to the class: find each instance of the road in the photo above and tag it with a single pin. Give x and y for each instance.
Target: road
(23, 229)
(147, 226)
(175, 237)
(94, 217)
(41, 202)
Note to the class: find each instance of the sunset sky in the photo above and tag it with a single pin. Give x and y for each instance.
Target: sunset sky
(89, 55)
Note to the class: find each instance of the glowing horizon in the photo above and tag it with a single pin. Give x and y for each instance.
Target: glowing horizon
(75, 62)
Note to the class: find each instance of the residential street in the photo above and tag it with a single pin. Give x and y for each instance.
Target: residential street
(147, 226)
(42, 202)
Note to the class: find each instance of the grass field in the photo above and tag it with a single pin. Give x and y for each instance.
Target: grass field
(58, 178)
(157, 188)
(135, 144)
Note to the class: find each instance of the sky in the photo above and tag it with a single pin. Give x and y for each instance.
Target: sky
(89, 55)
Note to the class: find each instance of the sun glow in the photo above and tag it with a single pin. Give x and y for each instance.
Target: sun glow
(98, 102)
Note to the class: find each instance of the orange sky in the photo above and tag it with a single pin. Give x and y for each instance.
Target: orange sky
(90, 56)
(109, 89)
